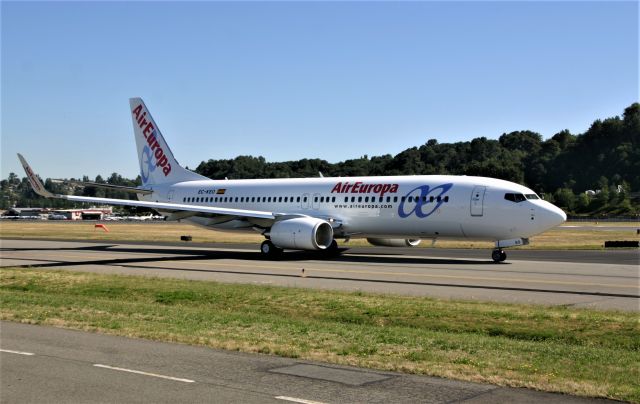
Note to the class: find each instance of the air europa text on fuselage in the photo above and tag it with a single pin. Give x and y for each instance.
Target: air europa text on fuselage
(361, 188)
(149, 133)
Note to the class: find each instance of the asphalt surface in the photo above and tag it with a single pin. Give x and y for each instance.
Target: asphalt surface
(598, 279)
(49, 365)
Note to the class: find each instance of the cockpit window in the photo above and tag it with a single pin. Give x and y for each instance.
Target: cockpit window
(515, 197)
(532, 196)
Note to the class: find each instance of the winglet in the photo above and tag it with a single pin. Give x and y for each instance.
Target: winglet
(35, 182)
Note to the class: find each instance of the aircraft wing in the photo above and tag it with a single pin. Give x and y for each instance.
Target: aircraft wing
(123, 188)
(38, 188)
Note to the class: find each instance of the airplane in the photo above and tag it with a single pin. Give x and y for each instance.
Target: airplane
(311, 213)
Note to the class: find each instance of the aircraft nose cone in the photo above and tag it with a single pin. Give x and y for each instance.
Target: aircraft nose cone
(556, 215)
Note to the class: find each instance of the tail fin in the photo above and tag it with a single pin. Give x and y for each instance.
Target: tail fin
(157, 164)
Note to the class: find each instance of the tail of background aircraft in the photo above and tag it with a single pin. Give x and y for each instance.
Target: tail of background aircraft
(157, 164)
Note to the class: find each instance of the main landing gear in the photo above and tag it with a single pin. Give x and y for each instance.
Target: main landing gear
(269, 250)
(498, 255)
(332, 250)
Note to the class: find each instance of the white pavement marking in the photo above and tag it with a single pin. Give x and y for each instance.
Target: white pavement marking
(177, 379)
(299, 400)
(17, 352)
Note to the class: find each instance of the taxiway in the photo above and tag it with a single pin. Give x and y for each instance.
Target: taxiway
(597, 279)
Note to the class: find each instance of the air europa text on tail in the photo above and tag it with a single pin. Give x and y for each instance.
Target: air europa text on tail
(149, 133)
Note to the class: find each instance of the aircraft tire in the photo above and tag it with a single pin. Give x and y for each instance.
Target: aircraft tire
(332, 250)
(503, 256)
(496, 255)
(269, 250)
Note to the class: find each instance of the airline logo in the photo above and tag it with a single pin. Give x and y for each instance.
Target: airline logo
(153, 155)
(32, 178)
(418, 201)
(362, 188)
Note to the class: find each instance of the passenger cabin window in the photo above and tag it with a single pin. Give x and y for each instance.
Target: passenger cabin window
(515, 197)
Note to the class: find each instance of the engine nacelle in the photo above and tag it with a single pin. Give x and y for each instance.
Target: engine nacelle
(394, 242)
(302, 233)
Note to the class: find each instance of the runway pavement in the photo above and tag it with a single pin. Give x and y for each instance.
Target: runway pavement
(599, 279)
(50, 365)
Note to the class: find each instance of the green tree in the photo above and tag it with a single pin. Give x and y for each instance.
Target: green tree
(565, 198)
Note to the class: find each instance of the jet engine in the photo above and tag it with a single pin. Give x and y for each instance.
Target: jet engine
(302, 233)
(394, 242)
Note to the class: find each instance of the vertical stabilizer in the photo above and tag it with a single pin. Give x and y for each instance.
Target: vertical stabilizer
(157, 164)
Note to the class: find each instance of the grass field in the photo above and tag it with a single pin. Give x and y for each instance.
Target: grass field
(565, 238)
(576, 351)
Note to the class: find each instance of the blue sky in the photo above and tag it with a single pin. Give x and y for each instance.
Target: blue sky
(291, 80)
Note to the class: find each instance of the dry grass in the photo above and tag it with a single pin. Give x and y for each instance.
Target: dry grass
(559, 238)
(124, 231)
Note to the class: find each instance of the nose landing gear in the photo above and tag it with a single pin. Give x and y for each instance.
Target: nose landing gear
(498, 255)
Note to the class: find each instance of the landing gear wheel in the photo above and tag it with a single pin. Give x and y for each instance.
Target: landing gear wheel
(498, 255)
(269, 250)
(332, 250)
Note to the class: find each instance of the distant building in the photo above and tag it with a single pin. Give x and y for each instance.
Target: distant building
(85, 214)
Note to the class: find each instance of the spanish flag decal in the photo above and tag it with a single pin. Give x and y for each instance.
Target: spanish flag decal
(220, 191)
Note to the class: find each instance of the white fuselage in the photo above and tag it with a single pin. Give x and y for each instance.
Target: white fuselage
(430, 206)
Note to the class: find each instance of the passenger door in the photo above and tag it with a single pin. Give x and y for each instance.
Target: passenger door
(477, 200)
